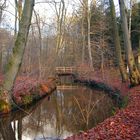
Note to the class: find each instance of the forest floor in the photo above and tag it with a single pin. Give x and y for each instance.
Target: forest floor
(125, 124)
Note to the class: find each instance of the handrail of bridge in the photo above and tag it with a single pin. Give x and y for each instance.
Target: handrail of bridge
(65, 69)
(72, 70)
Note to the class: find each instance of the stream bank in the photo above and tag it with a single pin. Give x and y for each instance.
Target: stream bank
(125, 124)
(27, 91)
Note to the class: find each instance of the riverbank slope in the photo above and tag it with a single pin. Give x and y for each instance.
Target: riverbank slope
(125, 124)
(26, 91)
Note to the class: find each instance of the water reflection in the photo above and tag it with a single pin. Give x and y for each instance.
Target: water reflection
(67, 112)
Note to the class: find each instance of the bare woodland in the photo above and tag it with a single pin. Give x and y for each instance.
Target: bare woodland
(90, 34)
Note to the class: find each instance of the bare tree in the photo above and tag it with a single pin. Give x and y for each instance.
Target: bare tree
(16, 7)
(134, 74)
(2, 7)
(89, 32)
(86, 6)
(117, 42)
(15, 61)
(19, 5)
(60, 14)
(40, 42)
(18, 13)
(132, 2)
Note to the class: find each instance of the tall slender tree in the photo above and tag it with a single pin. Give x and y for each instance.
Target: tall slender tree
(88, 34)
(38, 23)
(134, 74)
(60, 15)
(18, 13)
(2, 7)
(19, 9)
(16, 7)
(117, 42)
(87, 15)
(15, 61)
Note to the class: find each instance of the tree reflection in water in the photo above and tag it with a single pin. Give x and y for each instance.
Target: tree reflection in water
(68, 112)
(11, 126)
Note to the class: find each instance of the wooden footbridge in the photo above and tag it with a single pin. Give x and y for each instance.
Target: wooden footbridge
(65, 71)
(65, 76)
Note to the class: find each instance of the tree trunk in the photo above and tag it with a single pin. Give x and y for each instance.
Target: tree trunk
(6, 130)
(0, 60)
(134, 74)
(88, 34)
(139, 43)
(139, 55)
(2, 7)
(83, 40)
(19, 9)
(19, 129)
(40, 43)
(120, 62)
(89, 43)
(16, 6)
(15, 61)
(60, 21)
(130, 18)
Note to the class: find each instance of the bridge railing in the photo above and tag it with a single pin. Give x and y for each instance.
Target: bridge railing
(65, 69)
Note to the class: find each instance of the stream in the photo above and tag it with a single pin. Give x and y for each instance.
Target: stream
(64, 113)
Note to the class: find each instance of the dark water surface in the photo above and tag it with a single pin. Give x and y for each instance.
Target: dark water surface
(66, 112)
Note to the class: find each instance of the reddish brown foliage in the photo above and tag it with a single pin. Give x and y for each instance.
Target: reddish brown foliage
(28, 88)
(125, 125)
(32, 88)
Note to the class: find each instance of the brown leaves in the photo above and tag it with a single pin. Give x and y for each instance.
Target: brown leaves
(26, 89)
(125, 125)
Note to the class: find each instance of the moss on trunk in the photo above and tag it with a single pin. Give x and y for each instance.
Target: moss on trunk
(120, 61)
(134, 77)
(5, 106)
(134, 74)
(15, 60)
